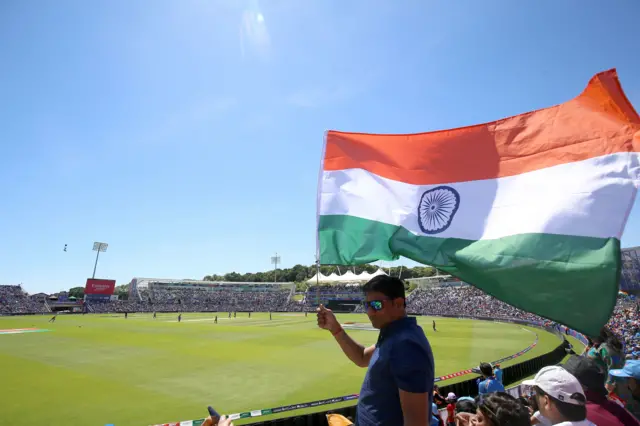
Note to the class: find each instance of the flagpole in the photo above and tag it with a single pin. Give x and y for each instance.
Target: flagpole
(318, 280)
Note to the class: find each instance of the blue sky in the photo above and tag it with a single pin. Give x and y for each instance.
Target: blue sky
(187, 133)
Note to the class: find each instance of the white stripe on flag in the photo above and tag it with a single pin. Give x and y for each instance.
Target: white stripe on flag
(581, 198)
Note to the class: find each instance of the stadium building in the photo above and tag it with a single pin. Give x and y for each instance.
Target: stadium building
(630, 277)
(211, 295)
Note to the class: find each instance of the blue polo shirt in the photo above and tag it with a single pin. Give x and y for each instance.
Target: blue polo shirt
(402, 360)
(489, 385)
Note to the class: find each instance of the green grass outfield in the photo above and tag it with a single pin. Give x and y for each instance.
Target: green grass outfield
(100, 369)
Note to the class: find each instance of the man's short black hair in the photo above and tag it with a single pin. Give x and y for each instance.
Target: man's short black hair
(391, 287)
(485, 369)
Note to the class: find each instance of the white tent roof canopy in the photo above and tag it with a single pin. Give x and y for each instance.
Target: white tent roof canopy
(378, 272)
(317, 277)
(365, 276)
(347, 277)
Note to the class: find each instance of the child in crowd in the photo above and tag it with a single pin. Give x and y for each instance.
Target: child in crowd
(451, 409)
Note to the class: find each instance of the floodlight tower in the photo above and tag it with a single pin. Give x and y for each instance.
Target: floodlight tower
(274, 261)
(98, 247)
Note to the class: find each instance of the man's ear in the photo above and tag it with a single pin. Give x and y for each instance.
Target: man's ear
(546, 400)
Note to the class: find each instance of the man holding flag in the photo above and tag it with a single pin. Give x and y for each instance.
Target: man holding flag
(398, 386)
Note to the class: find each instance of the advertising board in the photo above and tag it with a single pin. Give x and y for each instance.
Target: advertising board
(99, 286)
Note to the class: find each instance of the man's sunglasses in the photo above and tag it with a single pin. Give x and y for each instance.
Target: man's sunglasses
(376, 305)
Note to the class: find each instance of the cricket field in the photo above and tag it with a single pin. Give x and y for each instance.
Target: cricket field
(105, 369)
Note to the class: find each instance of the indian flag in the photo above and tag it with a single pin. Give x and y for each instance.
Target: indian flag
(529, 208)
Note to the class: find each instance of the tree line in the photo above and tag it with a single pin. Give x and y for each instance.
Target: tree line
(301, 273)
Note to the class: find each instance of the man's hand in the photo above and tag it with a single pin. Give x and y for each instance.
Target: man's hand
(357, 353)
(327, 320)
(224, 421)
(463, 419)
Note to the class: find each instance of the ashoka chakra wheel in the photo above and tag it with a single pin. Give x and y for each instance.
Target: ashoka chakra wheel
(437, 208)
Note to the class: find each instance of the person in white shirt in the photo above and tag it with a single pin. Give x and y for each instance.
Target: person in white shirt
(539, 419)
(560, 397)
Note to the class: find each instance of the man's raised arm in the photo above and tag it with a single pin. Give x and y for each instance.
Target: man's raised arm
(357, 353)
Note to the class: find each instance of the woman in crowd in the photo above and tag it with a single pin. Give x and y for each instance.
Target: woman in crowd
(437, 398)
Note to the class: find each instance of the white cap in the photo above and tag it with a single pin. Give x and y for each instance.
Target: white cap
(451, 396)
(560, 384)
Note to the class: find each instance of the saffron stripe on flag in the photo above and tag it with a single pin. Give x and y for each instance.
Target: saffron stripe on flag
(565, 133)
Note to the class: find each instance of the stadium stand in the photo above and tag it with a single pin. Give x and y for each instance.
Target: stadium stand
(13, 300)
(625, 323)
(339, 297)
(452, 300)
(201, 296)
(630, 277)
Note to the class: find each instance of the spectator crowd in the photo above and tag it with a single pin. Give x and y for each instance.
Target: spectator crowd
(13, 300)
(469, 300)
(625, 324)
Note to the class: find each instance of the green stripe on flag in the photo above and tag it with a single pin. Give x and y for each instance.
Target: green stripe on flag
(569, 279)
